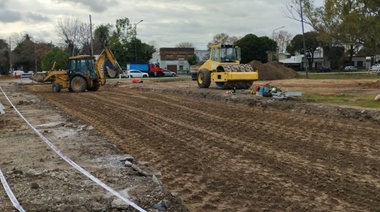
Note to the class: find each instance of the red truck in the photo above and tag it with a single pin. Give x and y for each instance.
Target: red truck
(154, 70)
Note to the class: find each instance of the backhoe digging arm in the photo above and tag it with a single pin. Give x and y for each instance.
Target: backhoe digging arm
(107, 54)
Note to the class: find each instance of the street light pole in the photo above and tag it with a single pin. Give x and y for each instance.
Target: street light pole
(304, 43)
(135, 39)
(10, 56)
(275, 48)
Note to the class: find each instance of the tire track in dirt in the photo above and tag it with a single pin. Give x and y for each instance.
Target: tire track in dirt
(331, 142)
(318, 127)
(263, 203)
(212, 135)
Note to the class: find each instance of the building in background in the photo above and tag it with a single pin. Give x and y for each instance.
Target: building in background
(174, 59)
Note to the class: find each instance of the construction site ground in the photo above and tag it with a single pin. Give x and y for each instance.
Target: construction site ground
(194, 149)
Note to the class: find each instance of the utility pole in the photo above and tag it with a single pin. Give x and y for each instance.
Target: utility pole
(135, 39)
(91, 41)
(304, 43)
(10, 55)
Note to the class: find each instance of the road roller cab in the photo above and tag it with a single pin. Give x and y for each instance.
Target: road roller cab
(224, 68)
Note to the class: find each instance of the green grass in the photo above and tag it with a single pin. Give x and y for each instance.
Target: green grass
(365, 100)
(341, 75)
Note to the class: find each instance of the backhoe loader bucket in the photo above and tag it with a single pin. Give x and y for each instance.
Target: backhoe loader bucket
(38, 76)
(111, 73)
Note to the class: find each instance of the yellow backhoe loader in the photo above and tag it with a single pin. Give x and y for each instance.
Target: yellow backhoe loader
(224, 68)
(84, 73)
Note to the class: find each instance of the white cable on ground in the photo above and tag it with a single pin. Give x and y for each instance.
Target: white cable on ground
(72, 163)
(10, 194)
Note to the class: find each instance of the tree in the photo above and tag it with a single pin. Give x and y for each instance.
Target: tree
(312, 43)
(222, 38)
(255, 48)
(27, 54)
(351, 23)
(75, 34)
(4, 57)
(193, 60)
(145, 52)
(126, 46)
(185, 45)
(84, 39)
(124, 30)
(24, 54)
(282, 39)
(55, 55)
(101, 37)
(335, 55)
(40, 50)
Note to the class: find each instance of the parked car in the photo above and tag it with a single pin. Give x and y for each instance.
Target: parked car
(168, 73)
(375, 67)
(350, 68)
(124, 74)
(136, 73)
(323, 69)
(22, 74)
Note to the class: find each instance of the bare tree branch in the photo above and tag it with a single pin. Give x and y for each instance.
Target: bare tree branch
(68, 31)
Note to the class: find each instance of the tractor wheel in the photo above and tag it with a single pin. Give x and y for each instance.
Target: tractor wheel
(204, 78)
(95, 86)
(56, 87)
(78, 84)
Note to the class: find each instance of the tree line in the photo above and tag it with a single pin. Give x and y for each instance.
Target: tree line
(75, 36)
(344, 28)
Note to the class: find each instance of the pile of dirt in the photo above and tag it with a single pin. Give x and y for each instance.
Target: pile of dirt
(273, 70)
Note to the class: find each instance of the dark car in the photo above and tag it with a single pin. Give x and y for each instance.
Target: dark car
(168, 73)
(350, 68)
(323, 69)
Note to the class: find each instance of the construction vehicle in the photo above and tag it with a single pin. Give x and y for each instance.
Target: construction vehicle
(224, 68)
(84, 73)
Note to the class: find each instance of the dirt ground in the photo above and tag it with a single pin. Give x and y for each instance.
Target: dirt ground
(212, 150)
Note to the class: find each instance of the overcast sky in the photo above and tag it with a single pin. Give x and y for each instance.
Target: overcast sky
(166, 22)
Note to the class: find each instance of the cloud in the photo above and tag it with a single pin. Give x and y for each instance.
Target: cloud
(9, 16)
(166, 22)
(98, 6)
(35, 17)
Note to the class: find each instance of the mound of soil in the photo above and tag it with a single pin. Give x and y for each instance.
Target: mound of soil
(273, 70)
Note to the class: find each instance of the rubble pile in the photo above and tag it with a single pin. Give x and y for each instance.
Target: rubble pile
(273, 70)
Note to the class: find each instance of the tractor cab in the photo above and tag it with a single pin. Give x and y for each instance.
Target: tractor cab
(82, 65)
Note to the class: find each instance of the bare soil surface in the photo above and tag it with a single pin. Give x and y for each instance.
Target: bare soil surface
(216, 150)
